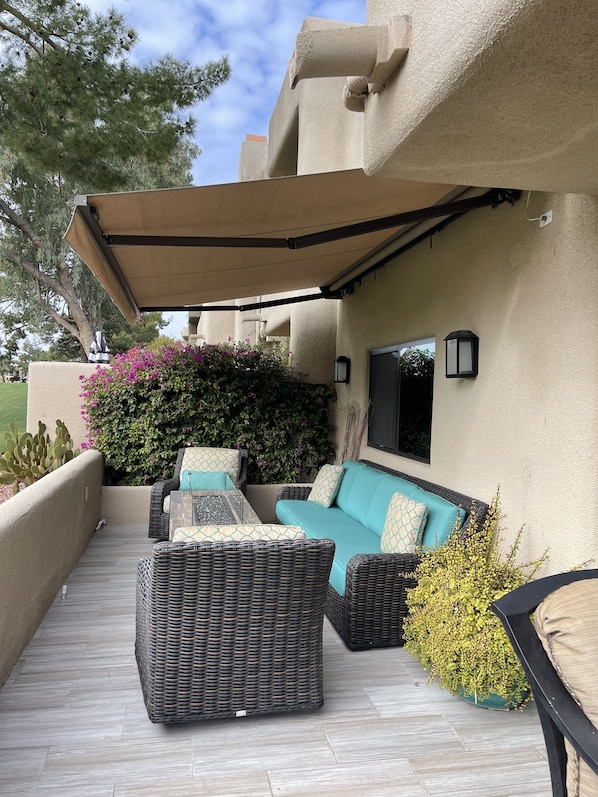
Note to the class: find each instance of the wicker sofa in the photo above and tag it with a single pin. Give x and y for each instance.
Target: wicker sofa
(367, 589)
(231, 629)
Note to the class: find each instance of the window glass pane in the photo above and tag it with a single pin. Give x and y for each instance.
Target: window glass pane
(401, 389)
(415, 401)
(384, 399)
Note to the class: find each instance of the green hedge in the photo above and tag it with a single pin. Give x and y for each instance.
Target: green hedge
(148, 404)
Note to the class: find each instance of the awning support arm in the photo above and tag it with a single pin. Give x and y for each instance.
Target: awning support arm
(494, 197)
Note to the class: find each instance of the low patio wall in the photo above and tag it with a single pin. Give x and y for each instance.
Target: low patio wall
(129, 506)
(43, 532)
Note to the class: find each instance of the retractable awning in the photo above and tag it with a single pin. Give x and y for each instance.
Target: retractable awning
(178, 248)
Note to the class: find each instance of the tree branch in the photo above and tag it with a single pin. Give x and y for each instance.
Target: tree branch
(43, 35)
(16, 32)
(64, 322)
(33, 270)
(16, 220)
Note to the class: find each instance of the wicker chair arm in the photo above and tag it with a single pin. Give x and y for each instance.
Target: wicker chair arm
(241, 482)
(158, 493)
(379, 573)
(144, 567)
(164, 488)
(293, 492)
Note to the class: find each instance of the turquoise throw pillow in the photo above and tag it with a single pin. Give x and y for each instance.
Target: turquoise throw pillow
(205, 480)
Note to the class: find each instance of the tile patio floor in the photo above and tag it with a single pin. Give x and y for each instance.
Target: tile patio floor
(73, 722)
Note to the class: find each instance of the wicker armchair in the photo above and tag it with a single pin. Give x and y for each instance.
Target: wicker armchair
(230, 629)
(564, 722)
(158, 518)
(370, 614)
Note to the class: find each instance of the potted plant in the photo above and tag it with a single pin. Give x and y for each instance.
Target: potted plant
(450, 626)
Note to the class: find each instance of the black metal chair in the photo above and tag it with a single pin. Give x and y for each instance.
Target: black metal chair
(158, 518)
(560, 715)
(230, 629)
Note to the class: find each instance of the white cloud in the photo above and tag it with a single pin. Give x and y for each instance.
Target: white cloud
(258, 37)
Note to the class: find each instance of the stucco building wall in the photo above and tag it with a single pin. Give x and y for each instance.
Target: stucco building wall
(499, 93)
(528, 422)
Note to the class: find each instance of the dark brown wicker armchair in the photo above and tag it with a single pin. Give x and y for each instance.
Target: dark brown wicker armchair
(158, 518)
(231, 629)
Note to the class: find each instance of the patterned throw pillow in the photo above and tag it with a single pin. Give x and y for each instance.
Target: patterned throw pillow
(325, 487)
(404, 525)
(258, 531)
(212, 459)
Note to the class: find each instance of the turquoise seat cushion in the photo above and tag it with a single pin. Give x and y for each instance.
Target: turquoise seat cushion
(350, 536)
(205, 480)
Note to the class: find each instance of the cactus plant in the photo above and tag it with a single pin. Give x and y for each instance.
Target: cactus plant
(27, 458)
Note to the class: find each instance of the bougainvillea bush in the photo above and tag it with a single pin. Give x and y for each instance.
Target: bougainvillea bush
(148, 404)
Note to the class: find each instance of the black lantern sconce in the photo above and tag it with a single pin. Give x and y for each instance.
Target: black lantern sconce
(462, 354)
(342, 369)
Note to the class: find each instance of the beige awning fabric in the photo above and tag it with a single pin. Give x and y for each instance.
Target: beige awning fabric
(223, 265)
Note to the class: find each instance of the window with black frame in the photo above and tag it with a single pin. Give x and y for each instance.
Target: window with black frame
(400, 401)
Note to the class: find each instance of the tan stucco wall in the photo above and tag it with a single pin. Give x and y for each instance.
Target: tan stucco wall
(125, 506)
(529, 421)
(43, 532)
(310, 129)
(331, 138)
(313, 338)
(495, 93)
(53, 393)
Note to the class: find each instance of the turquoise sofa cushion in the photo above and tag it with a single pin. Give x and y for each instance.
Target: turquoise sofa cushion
(442, 514)
(441, 519)
(205, 480)
(350, 536)
(388, 485)
(351, 472)
(356, 500)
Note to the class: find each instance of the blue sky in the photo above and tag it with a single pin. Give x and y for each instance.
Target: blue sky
(259, 39)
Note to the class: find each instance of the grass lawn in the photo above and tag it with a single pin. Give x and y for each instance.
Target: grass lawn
(13, 407)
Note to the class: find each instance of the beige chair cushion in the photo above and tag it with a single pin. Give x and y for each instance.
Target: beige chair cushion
(212, 459)
(326, 484)
(567, 624)
(404, 525)
(258, 531)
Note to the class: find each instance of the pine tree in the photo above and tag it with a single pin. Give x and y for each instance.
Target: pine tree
(77, 115)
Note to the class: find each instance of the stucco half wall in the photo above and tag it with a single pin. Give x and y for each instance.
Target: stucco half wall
(53, 393)
(43, 532)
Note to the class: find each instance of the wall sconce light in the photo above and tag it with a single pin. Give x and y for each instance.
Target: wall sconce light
(342, 369)
(461, 354)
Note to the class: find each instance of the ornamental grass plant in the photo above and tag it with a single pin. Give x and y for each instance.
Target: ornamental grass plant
(450, 626)
(148, 404)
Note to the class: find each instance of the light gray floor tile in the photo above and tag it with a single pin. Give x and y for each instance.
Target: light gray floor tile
(73, 722)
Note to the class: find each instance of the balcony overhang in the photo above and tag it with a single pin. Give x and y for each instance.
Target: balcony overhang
(494, 94)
